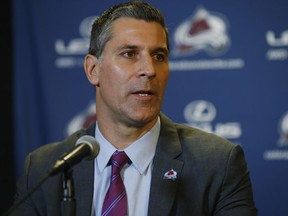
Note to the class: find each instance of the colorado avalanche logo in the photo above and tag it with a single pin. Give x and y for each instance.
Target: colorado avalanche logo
(171, 174)
(204, 31)
(283, 127)
(82, 120)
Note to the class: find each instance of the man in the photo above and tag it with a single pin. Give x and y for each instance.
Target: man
(171, 169)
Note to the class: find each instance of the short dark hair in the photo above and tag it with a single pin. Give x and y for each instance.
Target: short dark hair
(101, 31)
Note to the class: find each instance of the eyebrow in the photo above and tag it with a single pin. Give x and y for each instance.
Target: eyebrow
(162, 49)
(135, 47)
(126, 46)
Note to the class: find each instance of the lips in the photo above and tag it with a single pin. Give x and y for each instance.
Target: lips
(143, 93)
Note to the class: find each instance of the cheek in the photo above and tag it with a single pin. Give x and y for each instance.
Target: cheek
(112, 78)
(105, 75)
(164, 80)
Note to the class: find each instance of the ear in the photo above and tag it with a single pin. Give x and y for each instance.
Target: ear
(91, 66)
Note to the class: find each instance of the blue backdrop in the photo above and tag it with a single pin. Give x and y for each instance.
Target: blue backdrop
(229, 76)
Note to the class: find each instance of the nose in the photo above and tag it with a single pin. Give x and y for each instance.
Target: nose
(147, 67)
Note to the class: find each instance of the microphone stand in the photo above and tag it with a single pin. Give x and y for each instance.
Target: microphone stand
(68, 204)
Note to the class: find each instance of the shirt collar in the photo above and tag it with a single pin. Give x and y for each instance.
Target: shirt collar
(141, 152)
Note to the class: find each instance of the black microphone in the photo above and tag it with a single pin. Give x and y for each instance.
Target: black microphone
(86, 147)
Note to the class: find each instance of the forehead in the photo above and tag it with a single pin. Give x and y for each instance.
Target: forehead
(131, 30)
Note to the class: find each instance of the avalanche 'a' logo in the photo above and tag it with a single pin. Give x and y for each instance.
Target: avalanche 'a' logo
(283, 127)
(84, 119)
(204, 31)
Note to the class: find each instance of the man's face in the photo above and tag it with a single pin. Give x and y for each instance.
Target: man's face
(133, 72)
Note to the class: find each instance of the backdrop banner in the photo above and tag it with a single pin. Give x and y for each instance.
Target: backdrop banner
(229, 76)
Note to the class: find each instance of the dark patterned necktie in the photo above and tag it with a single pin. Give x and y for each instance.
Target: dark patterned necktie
(115, 202)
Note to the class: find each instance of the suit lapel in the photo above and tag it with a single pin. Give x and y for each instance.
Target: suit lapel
(163, 191)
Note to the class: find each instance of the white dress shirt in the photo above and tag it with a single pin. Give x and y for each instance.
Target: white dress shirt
(136, 176)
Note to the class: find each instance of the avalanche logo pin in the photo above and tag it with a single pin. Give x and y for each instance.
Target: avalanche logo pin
(171, 174)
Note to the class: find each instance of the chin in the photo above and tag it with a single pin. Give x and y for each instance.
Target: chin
(144, 119)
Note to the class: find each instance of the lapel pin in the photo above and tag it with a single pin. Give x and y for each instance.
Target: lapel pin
(171, 174)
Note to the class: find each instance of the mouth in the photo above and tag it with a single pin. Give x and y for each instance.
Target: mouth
(143, 93)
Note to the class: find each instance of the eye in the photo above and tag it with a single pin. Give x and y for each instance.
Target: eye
(159, 57)
(129, 54)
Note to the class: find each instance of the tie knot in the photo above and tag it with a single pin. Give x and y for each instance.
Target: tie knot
(118, 160)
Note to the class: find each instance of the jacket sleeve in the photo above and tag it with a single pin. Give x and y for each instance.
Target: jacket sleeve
(47, 194)
(27, 206)
(236, 197)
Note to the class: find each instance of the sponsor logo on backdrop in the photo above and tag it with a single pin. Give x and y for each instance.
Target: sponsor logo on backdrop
(201, 114)
(82, 120)
(204, 32)
(278, 45)
(71, 53)
(281, 152)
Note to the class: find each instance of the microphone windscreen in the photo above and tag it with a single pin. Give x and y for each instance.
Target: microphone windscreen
(92, 143)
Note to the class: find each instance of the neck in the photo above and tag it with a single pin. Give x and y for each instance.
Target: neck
(121, 135)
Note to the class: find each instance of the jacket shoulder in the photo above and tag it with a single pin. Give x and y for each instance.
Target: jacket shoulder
(42, 158)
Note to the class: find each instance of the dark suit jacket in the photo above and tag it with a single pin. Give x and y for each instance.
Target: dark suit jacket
(212, 176)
